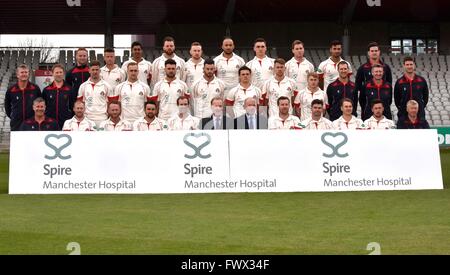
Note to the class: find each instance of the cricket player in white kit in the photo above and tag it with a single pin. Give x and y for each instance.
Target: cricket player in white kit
(304, 98)
(114, 122)
(132, 93)
(378, 121)
(244, 90)
(347, 121)
(79, 122)
(145, 67)
(111, 72)
(150, 122)
(205, 89)
(182, 120)
(168, 90)
(228, 64)
(328, 69)
(261, 65)
(284, 120)
(317, 121)
(277, 86)
(298, 67)
(194, 66)
(158, 67)
(95, 93)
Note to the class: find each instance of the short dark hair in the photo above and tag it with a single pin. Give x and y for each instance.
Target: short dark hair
(408, 58)
(280, 61)
(317, 101)
(109, 50)
(342, 63)
(181, 98)
(259, 39)
(115, 102)
(81, 49)
(136, 43)
(297, 42)
(216, 99)
(345, 99)
(335, 43)
(244, 68)
(209, 61)
(150, 102)
(372, 44)
(377, 66)
(375, 101)
(95, 63)
(282, 98)
(170, 61)
(57, 66)
(168, 39)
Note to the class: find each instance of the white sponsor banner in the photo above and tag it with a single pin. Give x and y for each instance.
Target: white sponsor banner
(223, 161)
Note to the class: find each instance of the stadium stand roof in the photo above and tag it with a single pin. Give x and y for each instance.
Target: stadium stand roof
(143, 17)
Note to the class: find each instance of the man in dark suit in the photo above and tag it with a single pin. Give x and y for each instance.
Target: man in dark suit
(251, 120)
(219, 120)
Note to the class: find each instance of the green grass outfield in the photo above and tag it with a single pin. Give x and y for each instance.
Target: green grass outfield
(403, 222)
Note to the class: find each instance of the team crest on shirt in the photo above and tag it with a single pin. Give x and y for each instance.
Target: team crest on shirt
(117, 80)
(237, 66)
(179, 91)
(270, 68)
(289, 89)
(141, 93)
(102, 93)
(32, 127)
(178, 68)
(51, 96)
(218, 90)
(145, 72)
(338, 91)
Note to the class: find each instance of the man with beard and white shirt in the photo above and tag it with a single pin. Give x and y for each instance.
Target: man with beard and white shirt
(182, 120)
(279, 85)
(132, 94)
(317, 121)
(205, 89)
(158, 67)
(145, 67)
(378, 120)
(328, 69)
(228, 64)
(79, 122)
(261, 65)
(298, 67)
(218, 120)
(114, 122)
(111, 72)
(150, 122)
(347, 120)
(284, 120)
(304, 98)
(168, 90)
(194, 66)
(96, 93)
(244, 90)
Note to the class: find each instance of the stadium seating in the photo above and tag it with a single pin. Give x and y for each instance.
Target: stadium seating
(434, 67)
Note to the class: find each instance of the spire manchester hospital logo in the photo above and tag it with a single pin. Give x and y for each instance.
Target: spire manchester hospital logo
(334, 142)
(205, 140)
(53, 141)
